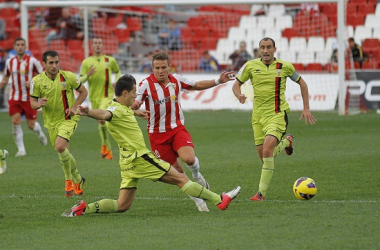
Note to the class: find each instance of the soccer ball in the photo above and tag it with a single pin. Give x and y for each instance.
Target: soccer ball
(304, 188)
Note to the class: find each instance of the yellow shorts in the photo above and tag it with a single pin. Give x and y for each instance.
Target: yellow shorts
(274, 125)
(101, 105)
(147, 166)
(64, 129)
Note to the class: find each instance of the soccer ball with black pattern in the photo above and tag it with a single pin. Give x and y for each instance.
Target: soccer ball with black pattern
(304, 188)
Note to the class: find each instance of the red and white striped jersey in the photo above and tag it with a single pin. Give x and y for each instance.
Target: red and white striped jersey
(20, 72)
(163, 102)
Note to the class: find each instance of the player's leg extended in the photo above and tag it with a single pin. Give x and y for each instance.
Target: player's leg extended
(36, 128)
(104, 136)
(18, 134)
(285, 143)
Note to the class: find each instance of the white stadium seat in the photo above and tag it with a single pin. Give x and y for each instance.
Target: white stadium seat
(282, 44)
(248, 22)
(297, 44)
(376, 33)
(265, 22)
(331, 42)
(236, 33)
(323, 57)
(274, 34)
(377, 11)
(372, 21)
(254, 34)
(362, 33)
(289, 56)
(350, 31)
(316, 43)
(305, 57)
(276, 10)
(283, 22)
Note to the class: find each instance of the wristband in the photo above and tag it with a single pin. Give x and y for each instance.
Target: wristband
(217, 82)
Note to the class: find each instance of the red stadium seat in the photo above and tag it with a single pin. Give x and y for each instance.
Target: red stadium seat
(299, 66)
(355, 19)
(366, 9)
(122, 35)
(314, 67)
(290, 32)
(195, 22)
(301, 21)
(134, 24)
(8, 12)
(75, 44)
(370, 64)
(351, 9)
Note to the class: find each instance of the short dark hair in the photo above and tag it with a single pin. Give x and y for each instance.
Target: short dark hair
(268, 39)
(351, 39)
(160, 56)
(51, 53)
(18, 39)
(125, 82)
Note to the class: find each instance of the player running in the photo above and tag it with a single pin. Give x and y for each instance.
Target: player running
(53, 91)
(269, 117)
(97, 70)
(136, 161)
(21, 68)
(168, 136)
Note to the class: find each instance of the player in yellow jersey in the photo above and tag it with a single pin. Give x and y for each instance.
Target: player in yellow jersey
(269, 117)
(97, 70)
(136, 161)
(3, 161)
(53, 90)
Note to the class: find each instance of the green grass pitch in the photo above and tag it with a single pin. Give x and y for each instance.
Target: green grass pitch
(341, 153)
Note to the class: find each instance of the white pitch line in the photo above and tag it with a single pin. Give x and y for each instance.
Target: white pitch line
(179, 198)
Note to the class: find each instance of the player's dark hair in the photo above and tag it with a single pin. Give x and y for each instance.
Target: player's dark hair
(18, 39)
(51, 53)
(268, 39)
(351, 39)
(125, 82)
(160, 56)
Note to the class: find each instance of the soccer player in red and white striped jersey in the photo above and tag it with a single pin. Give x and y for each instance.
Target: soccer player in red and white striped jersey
(168, 136)
(21, 69)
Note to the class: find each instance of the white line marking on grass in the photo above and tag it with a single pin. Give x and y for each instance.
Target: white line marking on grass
(180, 198)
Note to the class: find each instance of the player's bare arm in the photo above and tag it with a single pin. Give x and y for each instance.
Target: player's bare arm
(4, 81)
(82, 96)
(237, 92)
(97, 114)
(306, 107)
(142, 113)
(206, 84)
(136, 105)
(35, 104)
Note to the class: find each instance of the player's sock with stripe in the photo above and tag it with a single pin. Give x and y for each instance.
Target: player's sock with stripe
(18, 136)
(102, 206)
(37, 129)
(74, 171)
(281, 146)
(195, 190)
(64, 158)
(195, 169)
(266, 174)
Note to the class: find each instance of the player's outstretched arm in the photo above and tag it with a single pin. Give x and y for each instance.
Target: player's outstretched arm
(306, 107)
(81, 97)
(97, 114)
(136, 105)
(237, 92)
(144, 114)
(206, 84)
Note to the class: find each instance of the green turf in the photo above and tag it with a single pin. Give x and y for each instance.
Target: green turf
(340, 153)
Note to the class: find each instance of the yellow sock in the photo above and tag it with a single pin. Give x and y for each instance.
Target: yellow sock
(284, 143)
(102, 206)
(64, 158)
(195, 190)
(103, 132)
(266, 174)
(74, 171)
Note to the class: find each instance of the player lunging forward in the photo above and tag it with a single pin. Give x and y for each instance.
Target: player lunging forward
(269, 117)
(97, 70)
(53, 91)
(136, 161)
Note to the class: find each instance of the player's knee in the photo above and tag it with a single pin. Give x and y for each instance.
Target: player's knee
(267, 153)
(60, 148)
(189, 160)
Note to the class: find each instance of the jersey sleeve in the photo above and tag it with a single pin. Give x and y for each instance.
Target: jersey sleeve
(34, 89)
(292, 73)
(142, 91)
(74, 80)
(184, 82)
(84, 68)
(244, 74)
(115, 112)
(37, 67)
(114, 65)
